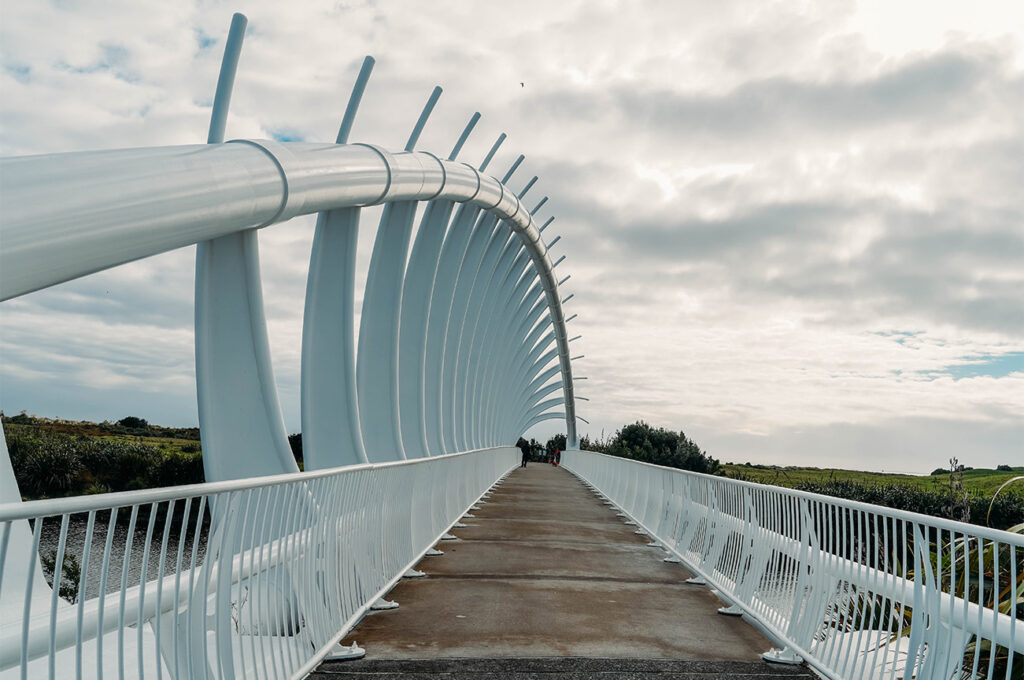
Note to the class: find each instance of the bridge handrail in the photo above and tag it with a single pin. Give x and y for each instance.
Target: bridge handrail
(47, 507)
(290, 563)
(857, 590)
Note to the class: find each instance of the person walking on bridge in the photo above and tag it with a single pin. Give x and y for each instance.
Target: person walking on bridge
(526, 456)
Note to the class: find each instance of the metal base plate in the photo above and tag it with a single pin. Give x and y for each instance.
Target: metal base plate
(342, 653)
(381, 604)
(786, 656)
(449, 537)
(730, 611)
(433, 552)
(412, 573)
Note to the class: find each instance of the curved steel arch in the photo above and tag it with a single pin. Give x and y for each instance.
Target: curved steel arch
(63, 208)
(453, 350)
(447, 350)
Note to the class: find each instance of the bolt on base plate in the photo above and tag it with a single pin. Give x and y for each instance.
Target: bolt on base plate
(342, 653)
(786, 656)
(381, 604)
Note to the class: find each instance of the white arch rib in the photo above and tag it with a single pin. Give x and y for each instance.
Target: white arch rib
(87, 211)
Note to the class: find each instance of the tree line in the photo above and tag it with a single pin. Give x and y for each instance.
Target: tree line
(642, 442)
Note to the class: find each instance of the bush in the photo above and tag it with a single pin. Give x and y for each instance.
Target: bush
(659, 446)
(50, 471)
(175, 469)
(1007, 510)
(53, 464)
(71, 573)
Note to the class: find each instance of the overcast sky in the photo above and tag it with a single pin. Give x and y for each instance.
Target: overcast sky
(795, 229)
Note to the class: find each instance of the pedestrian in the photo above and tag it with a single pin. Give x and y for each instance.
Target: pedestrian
(558, 457)
(526, 457)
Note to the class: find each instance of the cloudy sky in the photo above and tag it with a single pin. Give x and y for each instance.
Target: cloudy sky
(795, 229)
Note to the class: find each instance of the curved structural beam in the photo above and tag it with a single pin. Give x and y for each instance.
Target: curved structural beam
(87, 211)
(331, 436)
(240, 418)
(416, 307)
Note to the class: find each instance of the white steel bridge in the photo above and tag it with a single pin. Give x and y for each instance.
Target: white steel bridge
(462, 346)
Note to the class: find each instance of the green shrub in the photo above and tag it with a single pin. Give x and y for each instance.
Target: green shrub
(71, 573)
(51, 470)
(50, 464)
(133, 423)
(1007, 510)
(175, 469)
(659, 446)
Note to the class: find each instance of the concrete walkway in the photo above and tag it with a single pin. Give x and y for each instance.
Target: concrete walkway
(547, 571)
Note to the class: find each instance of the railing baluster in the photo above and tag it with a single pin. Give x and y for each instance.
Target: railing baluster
(58, 574)
(835, 580)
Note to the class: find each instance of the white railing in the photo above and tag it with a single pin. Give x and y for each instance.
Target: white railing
(858, 591)
(255, 578)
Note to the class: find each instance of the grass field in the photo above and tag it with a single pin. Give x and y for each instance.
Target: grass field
(167, 439)
(166, 444)
(979, 481)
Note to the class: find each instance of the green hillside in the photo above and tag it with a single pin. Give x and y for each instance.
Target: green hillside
(981, 481)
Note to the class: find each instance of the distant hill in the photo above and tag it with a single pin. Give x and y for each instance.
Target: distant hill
(129, 425)
(982, 481)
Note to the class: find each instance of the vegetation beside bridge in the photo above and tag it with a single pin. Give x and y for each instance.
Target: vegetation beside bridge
(53, 457)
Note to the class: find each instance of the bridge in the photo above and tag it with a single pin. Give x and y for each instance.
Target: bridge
(408, 423)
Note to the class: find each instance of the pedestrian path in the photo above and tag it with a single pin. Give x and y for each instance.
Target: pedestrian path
(548, 575)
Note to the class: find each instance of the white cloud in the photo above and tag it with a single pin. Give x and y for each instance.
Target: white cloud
(751, 196)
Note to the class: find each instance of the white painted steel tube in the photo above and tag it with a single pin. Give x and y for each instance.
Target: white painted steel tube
(87, 211)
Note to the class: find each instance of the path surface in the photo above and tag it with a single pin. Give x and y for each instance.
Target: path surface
(546, 571)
